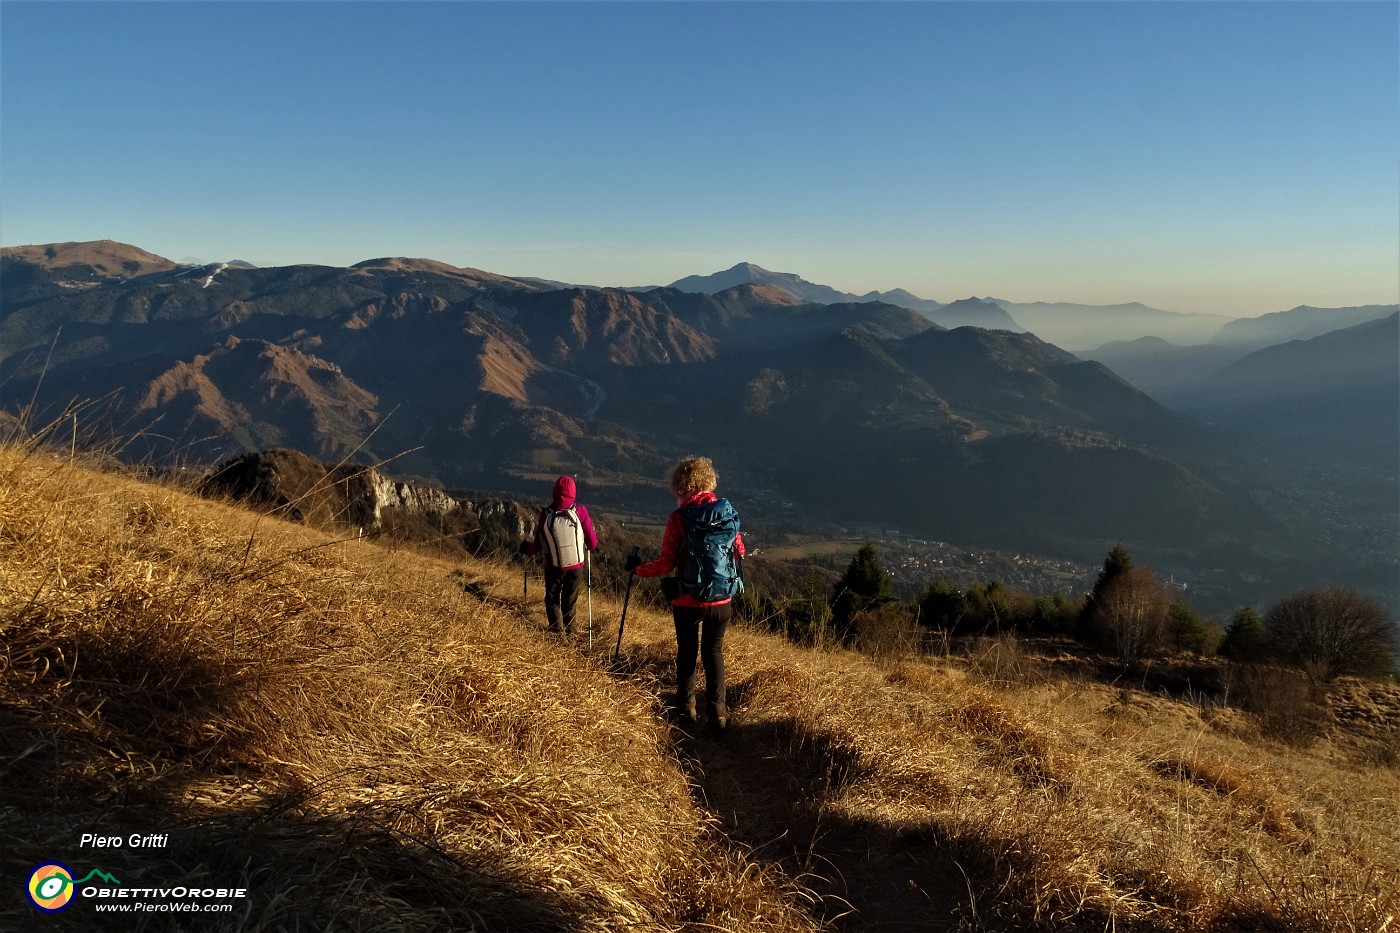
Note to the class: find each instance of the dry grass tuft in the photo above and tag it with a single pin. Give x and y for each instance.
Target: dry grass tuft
(1002, 662)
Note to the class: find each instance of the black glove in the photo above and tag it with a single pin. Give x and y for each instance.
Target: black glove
(524, 547)
(633, 562)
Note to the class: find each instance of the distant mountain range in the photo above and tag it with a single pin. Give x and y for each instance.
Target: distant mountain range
(1077, 327)
(1339, 389)
(746, 273)
(854, 411)
(1336, 391)
(1160, 367)
(1300, 323)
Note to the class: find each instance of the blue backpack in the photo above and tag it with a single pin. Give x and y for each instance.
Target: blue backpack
(710, 571)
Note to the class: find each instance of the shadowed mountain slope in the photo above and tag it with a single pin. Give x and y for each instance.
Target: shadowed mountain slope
(985, 429)
(1340, 388)
(1156, 365)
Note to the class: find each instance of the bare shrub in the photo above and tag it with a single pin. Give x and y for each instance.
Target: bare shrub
(1132, 616)
(887, 633)
(1382, 751)
(1332, 632)
(1289, 707)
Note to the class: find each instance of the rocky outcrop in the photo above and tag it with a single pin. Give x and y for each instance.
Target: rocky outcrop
(513, 520)
(370, 492)
(302, 488)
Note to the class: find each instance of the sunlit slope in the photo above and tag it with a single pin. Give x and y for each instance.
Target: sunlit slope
(355, 734)
(926, 794)
(377, 740)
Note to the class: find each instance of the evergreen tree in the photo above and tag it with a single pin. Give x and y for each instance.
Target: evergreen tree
(1191, 632)
(1117, 565)
(865, 584)
(1054, 613)
(941, 605)
(809, 613)
(990, 607)
(1246, 638)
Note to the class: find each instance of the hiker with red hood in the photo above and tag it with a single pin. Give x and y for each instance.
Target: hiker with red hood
(700, 563)
(565, 535)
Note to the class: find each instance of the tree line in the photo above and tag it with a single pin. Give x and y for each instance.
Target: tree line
(1131, 614)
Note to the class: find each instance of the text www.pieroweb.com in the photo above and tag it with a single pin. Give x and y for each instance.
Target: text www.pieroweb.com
(168, 907)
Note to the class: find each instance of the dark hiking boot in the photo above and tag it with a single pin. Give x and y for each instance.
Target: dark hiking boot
(719, 716)
(685, 710)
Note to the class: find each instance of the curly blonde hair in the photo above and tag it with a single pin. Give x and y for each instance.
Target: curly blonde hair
(694, 474)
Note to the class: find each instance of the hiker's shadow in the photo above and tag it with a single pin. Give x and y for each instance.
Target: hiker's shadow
(785, 791)
(300, 868)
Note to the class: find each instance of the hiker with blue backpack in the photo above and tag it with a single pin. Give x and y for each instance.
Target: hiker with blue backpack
(700, 563)
(564, 534)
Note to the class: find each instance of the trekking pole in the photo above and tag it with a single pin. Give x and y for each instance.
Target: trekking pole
(631, 578)
(588, 562)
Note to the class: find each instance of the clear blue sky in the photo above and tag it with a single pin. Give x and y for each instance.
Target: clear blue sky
(1232, 158)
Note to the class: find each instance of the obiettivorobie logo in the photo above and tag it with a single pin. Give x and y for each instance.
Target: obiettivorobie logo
(51, 885)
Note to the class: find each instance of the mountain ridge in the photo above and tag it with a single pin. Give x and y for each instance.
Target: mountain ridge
(487, 381)
(1300, 323)
(1337, 388)
(489, 378)
(1067, 324)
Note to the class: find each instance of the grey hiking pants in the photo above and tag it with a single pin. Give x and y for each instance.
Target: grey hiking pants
(560, 596)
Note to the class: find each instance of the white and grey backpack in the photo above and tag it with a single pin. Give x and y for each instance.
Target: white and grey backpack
(563, 536)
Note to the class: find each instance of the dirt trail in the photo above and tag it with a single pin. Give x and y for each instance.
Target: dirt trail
(771, 788)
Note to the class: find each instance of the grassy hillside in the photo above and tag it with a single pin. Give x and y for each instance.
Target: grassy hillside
(369, 738)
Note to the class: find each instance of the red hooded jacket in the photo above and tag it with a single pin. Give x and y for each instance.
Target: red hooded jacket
(564, 492)
(673, 550)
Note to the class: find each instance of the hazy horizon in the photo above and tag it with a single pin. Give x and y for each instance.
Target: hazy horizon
(1227, 159)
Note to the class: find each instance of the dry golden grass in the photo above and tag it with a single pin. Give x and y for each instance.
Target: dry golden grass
(376, 739)
(357, 736)
(943, 795)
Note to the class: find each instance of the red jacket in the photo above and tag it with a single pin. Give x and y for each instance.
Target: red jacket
(564, 491)
(673, 552)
